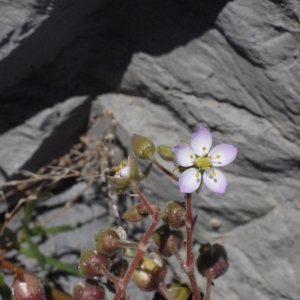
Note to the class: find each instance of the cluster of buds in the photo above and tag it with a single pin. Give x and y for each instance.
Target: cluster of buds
(94, 263)
(194, 167)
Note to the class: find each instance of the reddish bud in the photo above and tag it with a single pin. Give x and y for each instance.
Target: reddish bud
(92, 263)
(107, 241)
(88, 290)
(212, 258)
(26, 287)
(136, 213)
(165, 239)
(150, 272)
(174, 214)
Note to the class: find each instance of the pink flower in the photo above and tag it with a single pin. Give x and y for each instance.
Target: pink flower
(201, 162)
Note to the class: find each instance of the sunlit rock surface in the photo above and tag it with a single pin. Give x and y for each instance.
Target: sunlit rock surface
(164, 68)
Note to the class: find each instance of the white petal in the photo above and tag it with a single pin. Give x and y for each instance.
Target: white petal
(189, 180)
(226, 152)
(126, 170)
(184, 155)
(216, 183)
(201, 141)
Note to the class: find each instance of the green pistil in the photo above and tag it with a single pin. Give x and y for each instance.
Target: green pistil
(203, 163)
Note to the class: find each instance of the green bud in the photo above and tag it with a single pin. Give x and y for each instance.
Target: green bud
(107, 241)
(213, 258)
(165, 239)
(149, 273)
(166, 153)
(136, 213)
(174, 214)
(88, 290)
(142, 147)
(91, 263)
(120, 182)
(134, 170)
(143, 175)
(178, 292)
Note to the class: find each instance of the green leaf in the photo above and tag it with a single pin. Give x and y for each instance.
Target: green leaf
(5, 291)
(8, 236)
(55, 263)
(28, 212)
(38, 230)
(35, 253)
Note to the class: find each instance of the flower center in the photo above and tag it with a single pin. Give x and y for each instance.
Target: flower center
(203, 162)
(121, 166)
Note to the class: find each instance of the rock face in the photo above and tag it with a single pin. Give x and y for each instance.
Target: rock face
(164, 68)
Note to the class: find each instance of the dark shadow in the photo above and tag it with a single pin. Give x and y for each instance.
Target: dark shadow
(112, 35)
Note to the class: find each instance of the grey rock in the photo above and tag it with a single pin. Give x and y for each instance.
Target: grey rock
(232, 66)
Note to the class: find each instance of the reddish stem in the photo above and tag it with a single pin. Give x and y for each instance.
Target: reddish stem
(209, 278)
(128, 244)
(189, 265)
(142, 248)
(164, 291)
(164, 169)
(176, 253)
(143, 199)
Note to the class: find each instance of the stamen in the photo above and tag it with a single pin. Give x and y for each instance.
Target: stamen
(203, 148)
(207, 168)
(196, 175)
(210, 157)
(213, 174)
(218, 156)
(191, 155)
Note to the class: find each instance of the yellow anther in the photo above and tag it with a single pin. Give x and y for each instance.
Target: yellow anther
(191, 155)
(197, 175)
(210, 157)
(218, 156)
(214, 174)
(203, 148)
(207, 168)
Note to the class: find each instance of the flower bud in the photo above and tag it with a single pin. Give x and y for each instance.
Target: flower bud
(88, 290)
(26, 287)
(174, 214)
(107, 241)
(166, 153)
(178, 292)
(142, 147)
(145, 173)
(212, 258)
(120, 182)
(149, 273)
(91, 263)
(165, 239)
(136, 213)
